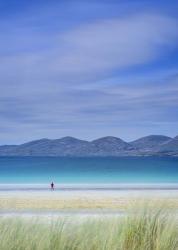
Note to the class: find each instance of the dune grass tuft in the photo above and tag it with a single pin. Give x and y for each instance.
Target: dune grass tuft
(144, 230)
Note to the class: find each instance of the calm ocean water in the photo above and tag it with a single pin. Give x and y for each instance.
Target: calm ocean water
(108, 170)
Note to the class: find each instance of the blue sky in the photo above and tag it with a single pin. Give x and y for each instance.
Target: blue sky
(88, 69)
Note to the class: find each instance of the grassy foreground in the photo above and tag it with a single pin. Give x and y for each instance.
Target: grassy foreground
(143, 231)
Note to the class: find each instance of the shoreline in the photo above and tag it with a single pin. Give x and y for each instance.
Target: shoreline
(87, 186)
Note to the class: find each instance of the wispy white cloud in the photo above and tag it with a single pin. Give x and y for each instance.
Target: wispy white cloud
(114, 44)
(94, 50)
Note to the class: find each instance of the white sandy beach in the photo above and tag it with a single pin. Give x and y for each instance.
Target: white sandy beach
(77, 198)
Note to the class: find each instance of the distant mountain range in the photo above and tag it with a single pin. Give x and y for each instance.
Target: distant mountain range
(151, 145)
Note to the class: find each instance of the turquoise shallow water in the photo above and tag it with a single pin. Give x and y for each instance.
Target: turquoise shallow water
(88, 170)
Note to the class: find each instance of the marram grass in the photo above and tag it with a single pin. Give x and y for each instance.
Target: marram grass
(145, 230)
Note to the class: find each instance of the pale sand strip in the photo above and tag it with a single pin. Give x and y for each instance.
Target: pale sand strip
(57, 200)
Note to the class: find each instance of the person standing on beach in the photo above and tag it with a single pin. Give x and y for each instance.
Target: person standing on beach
(52, 186)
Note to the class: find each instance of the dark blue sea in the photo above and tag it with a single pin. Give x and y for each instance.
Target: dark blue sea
(38, 170)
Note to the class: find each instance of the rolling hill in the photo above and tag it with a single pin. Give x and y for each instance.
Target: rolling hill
(106, 146)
